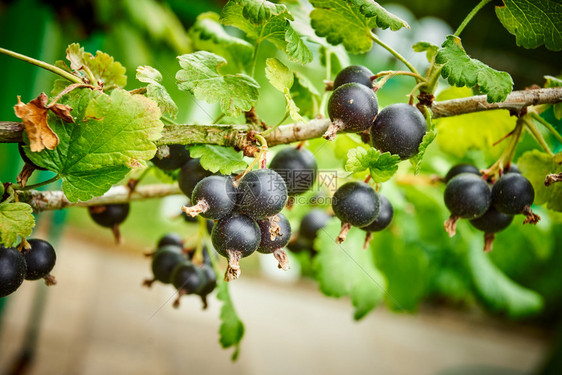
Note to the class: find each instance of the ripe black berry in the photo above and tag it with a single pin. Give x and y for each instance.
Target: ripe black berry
(209, 282)
(110, 216)
(177, 156)
(187, 279)
(466, 196)
(297, 167)
(12, 270)
(40, 260)
(261, 193)
(275, 235)
(354, 73)
(399, 129)
(311, 223)
(490, 223)
(461, 168)
(383, 219)
(352, 108)
(214, 198)
(170, 239)
(511, 168)
(165, 259)
(190, 174)
(235, 237)
(513, 194)
(355, 204)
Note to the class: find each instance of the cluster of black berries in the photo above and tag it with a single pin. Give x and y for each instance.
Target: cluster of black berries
(172, 264)
(353, 107)
(32, 263)
(489, 205)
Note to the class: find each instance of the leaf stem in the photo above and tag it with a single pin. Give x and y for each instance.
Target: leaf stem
(35, 186)
(42, 64)
(219, 117)
(272, 129)
(538, 136)
(393, 73)
(254, 59)
(470, 15)
(168, 120)
(547, 125)
(393, 52)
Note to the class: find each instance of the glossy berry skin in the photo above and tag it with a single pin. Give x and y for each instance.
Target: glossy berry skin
(467, 196)
(219, 193)
(187, 277)
(40, 259)
(512, 169)
(28, 160)
(354, 105)
(261, 193)
(165, 261)
(354, 73)
(461, 168)
(113, 214)
(512, 193)
(236, 232)
(492, 221)
(399, 129)
(297, 167)
(312, 222)
(12, 270)
(267, 245)
(209, 279)
(173, 239)
(177, 157)
(384, 217)
(190, 174)
(356, 203)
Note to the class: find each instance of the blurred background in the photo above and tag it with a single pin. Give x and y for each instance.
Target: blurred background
(449, 309)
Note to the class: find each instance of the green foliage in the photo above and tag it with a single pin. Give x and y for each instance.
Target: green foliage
(200, 75)
(533, 22)
(381, 166)
(112, 134)
(347, 269)
(305, 96)
(101, 67)
(535, 165)
(156, 91)
(461, 70)
(282, 79)
(231, 329)
(217, 158)
(427, 139)
(429, 49)
(555, 82)
(350, 22)
(16, 219)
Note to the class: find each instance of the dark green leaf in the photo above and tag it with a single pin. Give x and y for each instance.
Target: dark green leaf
(156, 91)
(231, 329)
(218, 158)
(16, 219)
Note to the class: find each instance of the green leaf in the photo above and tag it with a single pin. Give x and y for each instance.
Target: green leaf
(296, 49)
(111, 134)
(535, 165)
(350, 22)
(381, 166)
(207, 34)
(533, 22)
(461, 70)
(200, 76)
(429, 49)
(305, 95)
(496, 290)
(16, 219)
(156, 91)
(231, 329)
(282, 79)
(427, 139)
(105, 70)
(347, 269)
(218, 158)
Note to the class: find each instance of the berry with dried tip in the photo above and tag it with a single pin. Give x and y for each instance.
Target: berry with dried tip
(490, 223)
(190, 174)
(352, 108)
(354, 73)
(177, 156)
(261, 193)
(214, 198)
(297, 167)
(110, 216)
(12, 270)
(461, 168)
(235, 237)
(187, 279)
(466, 196)
(275, 235)
(399, 129)
(513, 194)
(40, 260)
(383, 219)
(165, 259)
(355, 204)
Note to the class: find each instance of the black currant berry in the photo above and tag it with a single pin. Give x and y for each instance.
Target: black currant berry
(177, 156)
(490, 223)
(214, 198)
(110, 216)
(312, 222)
(26, 159)
(466, 196)
(235, 237)
(206, 256)
(513, 194)
(511, 168)
(261, 193)
(190, 174)
(354, 73)
(170, 239)
(461, 168)
(383, 219)
(12, 270)
(352, 108)
(209, 282)
(40, 260)
(297, 167)
(165, 259)
(275, 235)
(187, 279)
(399, 129)
(355, 204)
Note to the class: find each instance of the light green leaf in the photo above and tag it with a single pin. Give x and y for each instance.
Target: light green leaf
(200, 76)
(305, 95)
(105, 70)
(347, 269)
(261, 11)
(535, 165)
(381, 166)
(231, 329)
(16, 219)
(350, 22)
(427, 139)
(461, 70)
(555, 82)
(111, 134)
(296, 49)
(429, 49)
(156, 91)
(282, 79)
(533, 22)
(217, 158)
